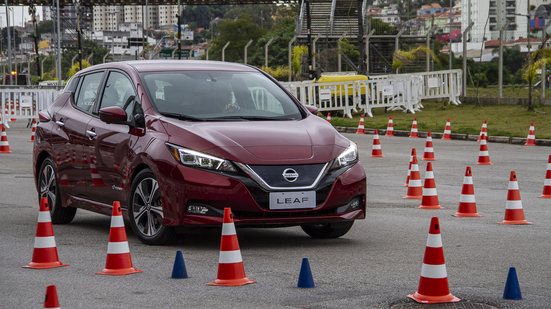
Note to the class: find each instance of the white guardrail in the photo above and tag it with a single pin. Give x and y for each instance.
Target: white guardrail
(24, 103)
(397, 91)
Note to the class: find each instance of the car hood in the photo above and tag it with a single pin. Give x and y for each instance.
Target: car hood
(308, 141)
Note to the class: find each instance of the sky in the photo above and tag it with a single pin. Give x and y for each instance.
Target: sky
(17, 10)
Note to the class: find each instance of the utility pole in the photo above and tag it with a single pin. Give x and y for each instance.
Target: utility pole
(32, 12)
(361, 45)
(530, 80)
(309, 39)
(9, 41)
(450, 37)
(179, 16)
(58, 73)
(79, 42)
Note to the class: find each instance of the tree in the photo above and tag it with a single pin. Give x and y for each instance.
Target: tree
(45, 26)
(75, 68)
(403, 57)
(238, 32)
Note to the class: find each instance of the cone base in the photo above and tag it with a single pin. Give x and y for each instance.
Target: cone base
(413, 136)
(430, 207)
(5, 151)
(424, 299)
(360, 132)
(119, 272)
(446, 138)
(377, 156)
(515, 222)
(389, 134)
(428, 159)
(466, 214)
(231, 282)
(529, 144)
(485, 163)
(33, 265)
(412, 197)
(545, 196)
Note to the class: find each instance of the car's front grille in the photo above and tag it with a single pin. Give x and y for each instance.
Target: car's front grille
(278, 177)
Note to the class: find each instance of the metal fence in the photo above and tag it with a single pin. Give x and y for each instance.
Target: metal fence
(24, 103)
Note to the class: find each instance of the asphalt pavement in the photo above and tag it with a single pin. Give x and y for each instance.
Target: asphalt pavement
(374, 266)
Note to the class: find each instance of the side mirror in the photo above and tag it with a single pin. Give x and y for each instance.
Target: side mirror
(312, 109)
(113, 114)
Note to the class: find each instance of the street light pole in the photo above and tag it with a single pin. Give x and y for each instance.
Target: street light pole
(179, 16)
(58, 73)
(9, 41)
(530, 80)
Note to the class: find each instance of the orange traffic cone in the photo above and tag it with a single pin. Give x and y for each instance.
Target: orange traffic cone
(447, 130)
(45, 250)
(514, 214)
(428, 155)
(390, 127)
(231, 271)
(329, 117)
(51, 301)
(483, 154)
(413, 132)
(33, 130)
(467, 202)
(13, 119)
(547, 182)
(413, 153)
(483, 130)
(433, 284)
(361, 128)
(376, 150)
(118, 261)
(415, 188)
(4, 145)
(430, 196)
(97, 181)
(531, 138)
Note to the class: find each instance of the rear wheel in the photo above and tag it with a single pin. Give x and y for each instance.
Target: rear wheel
(47, 185)
(145, 210)
(327, 230)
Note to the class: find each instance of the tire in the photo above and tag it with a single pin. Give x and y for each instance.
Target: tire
(145, 211)
(48, 187)
(327, 230)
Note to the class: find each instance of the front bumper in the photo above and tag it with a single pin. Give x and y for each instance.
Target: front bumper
(250, 203)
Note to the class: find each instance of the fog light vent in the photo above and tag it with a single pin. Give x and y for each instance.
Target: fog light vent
(203, 209)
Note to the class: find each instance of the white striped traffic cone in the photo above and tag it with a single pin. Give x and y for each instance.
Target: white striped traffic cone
(231, 271)
(483, 154)
(514, 213)
(4, 144)
(433, 284)
(531, 138)
(329, 118)
(547, 182)
(483, 130)
(376, 150)
(33, 130)
(415, 187)
(361, 127)
(390, 127)
(413, 133)
(447, 130)
(428, 154)
(413, 153)
(119, 260)
(467, 201)
(45, 250)
(430, 196)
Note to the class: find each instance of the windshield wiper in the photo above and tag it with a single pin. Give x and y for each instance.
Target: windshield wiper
(182, 117)
(263, 118)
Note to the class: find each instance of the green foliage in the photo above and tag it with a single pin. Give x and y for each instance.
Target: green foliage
(75, 68)
(45, 26)
(298, 53)
(381, 27)
(237, 32)
(403, 57)
(280, 73)
(350, 50)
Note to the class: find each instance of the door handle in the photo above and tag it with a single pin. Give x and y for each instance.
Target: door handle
(91, 134)
(60, 122)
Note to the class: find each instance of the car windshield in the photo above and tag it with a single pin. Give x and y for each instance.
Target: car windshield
(219, 96)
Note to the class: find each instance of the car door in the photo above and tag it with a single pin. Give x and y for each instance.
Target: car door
(70, 157)
(110, 145)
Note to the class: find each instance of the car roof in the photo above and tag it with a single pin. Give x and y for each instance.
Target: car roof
(174, 65)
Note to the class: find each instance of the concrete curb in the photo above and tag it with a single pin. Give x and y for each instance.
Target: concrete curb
(455, 136)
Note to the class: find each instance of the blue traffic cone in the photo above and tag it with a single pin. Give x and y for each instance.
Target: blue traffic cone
(512, 288)
(179, 270)
(305, 279)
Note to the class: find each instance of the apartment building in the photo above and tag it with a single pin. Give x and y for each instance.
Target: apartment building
(489, 16)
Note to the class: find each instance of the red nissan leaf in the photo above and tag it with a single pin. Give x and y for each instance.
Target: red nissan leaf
(177, 141)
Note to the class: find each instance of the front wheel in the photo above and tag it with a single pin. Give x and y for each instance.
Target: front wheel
(145, 210)
(327, 230)
(47, 186)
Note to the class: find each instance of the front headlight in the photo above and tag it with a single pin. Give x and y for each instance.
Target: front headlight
(194, 158)
(347, 157)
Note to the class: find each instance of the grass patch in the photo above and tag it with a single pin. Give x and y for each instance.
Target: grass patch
(503, 120)
(518, 91)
